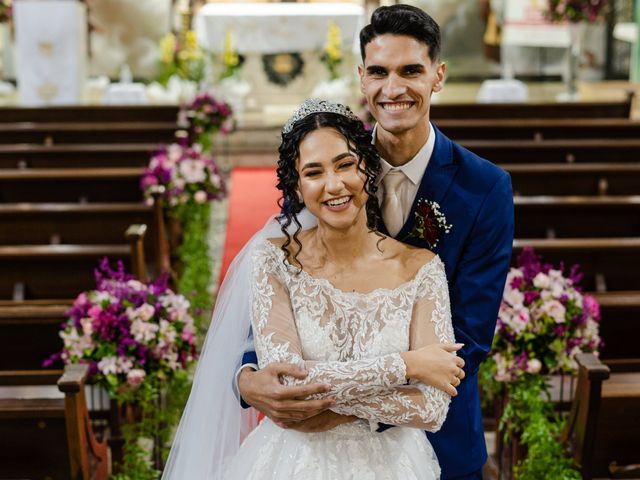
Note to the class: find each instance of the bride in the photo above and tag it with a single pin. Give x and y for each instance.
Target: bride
(323, 289)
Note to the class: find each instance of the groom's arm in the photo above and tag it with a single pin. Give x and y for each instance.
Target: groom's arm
(476, 290)
(283, 404)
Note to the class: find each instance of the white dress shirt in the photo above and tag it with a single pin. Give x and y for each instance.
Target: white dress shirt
(413, 170)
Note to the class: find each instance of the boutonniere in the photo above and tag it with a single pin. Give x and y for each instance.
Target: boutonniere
(429, 223)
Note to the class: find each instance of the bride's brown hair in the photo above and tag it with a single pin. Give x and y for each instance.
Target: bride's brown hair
(359, 141)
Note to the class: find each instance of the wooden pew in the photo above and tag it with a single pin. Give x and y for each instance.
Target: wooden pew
(574, 179)
(577, 216)
(21, 317)
(605, 262)
(70, 223)
(86, 155)
(509, 152)
(539, 129)
(62, 271)
(604, 424)
(35, 324)
(71, 185)
(533, 110)
(579, 435)
(84, 224)
(557, 150)
(73, 132)
(48, 435)
(620, 313)
(92, 114)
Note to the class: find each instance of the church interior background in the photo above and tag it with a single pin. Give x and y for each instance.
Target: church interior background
(162, 66)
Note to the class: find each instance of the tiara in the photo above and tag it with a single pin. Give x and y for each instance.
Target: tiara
(315, 105)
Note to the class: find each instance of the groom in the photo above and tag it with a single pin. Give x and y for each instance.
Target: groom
(423, 172)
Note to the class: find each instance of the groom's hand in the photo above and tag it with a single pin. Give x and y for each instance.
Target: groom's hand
(322, 422)
(263, 391)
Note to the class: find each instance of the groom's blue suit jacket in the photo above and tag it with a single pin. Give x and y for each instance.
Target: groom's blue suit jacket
(476, 198)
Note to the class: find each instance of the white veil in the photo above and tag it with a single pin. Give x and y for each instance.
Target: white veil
(213, 423)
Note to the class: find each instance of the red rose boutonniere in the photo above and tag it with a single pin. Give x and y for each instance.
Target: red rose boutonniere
(429, 222)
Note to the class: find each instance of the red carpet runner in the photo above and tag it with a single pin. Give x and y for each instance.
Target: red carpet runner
(252, 201)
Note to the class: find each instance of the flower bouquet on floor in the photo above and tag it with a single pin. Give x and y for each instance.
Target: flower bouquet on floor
(189, 180)
(543, 322)
(139, 341)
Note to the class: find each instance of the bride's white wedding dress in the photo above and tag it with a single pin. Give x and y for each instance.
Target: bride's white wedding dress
(350, 341)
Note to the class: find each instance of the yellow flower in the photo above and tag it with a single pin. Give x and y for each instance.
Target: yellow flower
(229, 57)
(167, 48)
(333, 47)
(190, 41)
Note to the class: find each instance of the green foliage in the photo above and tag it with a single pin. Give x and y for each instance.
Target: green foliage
(529, 414)
(157, 406)
(195, 277)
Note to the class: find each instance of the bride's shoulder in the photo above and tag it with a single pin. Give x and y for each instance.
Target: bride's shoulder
(415, 257)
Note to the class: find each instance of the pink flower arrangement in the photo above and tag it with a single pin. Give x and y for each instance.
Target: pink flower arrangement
(543, 322)
(208, 115)
(186, 173)
(128, 331)
(574, 11)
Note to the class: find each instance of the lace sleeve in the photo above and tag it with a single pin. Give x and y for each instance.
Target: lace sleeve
(415, 405)
(276, 340)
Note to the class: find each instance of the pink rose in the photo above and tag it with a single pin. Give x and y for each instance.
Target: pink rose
(135, 377)
(200, 196)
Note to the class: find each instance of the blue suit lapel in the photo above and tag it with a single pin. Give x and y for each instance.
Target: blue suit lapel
(434, 185)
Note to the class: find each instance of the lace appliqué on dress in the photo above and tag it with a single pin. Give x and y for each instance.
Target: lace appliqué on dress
(352, 341)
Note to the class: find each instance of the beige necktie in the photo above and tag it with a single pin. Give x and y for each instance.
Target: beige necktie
(392, 213)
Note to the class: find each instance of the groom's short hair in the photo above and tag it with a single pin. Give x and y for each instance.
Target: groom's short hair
(406, 20)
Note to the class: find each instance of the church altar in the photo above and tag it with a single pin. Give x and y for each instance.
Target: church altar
(268, 28)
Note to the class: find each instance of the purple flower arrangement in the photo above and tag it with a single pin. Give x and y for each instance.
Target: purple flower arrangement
(544, 321)
(186, 173)
(574, 11)
(207, 115)
(128, 331)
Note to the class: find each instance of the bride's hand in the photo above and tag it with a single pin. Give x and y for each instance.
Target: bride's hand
(263, 391)
(436, 365)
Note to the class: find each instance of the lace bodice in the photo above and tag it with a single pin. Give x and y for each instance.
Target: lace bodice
(352, 341)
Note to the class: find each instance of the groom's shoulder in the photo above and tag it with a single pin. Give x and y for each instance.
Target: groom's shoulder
(476, 174)
(474, 166)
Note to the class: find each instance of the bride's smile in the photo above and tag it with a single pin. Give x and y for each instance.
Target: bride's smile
(331, 183)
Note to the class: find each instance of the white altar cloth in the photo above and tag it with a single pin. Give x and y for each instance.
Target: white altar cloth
(267, 28)
(51, 51)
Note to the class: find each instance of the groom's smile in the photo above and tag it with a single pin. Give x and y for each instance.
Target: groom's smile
(397, 78)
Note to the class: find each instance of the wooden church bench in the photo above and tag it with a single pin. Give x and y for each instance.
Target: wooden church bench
(577, 216)
(25, 156)
(92, 114)
(71, 185)
(556, 151)
(82, 132)
(605, 262)
(49, 435)
(539, 129)
(575, 178)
